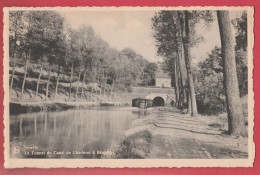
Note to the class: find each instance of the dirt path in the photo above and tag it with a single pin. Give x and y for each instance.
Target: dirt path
(179, 136)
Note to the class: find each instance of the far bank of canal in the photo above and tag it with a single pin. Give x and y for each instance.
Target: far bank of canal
(16, 108)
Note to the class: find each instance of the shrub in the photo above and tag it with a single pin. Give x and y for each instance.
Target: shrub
(135, 146)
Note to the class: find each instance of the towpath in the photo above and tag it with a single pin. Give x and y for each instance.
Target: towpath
(179, 136)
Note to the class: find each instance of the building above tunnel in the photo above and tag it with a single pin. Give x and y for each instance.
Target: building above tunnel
(162, 80)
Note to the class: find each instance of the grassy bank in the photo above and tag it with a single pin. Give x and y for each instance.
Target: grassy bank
(28, 107)
(137, 141)
(135, 146)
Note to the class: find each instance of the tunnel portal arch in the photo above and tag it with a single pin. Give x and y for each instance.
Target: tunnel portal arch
(158, 101)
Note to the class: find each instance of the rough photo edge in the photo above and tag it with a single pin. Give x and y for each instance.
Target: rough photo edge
(131, 163)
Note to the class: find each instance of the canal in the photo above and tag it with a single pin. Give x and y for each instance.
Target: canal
(76, 133)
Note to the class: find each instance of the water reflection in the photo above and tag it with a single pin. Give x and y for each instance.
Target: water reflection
(21, 126)
(72, 130)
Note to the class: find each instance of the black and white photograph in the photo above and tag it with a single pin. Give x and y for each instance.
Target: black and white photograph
(128, 87)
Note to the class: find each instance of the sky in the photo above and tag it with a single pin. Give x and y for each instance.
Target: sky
(122, 29)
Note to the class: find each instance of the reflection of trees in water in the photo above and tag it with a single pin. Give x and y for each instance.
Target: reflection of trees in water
(54, 124)
(21, 126)
(140, 112)
(76, 124)
(35, 125)
(45, 122)
(86, 130)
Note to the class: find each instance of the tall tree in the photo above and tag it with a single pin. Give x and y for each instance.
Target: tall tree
(150, 73)
(57, 81)
(169, 43)
(73, 55)
(16, 28)
(27, 58)
(236, 124)
(27, 50)
(83, 84)
(48, 82)
(56, 44)
(60, 53)
(210, 89)
(38, 81)
(176, 81)
(240, 25)
(77, 89)
(181, 64)
(185, 22)
(38, 39)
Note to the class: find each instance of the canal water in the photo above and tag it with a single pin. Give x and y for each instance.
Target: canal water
(76, 133)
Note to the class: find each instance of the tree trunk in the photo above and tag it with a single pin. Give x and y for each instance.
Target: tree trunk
(180, 104)
(188, 103)
(71, 76)
(99, 81)
(186, 47)
(12, 79)
(91, 88)
(24, 78)
(38, 82)
(111, 91)
(82, 86)
(77, 87)
(105, 82)
(181, 61)
(181, 94)
(182, 79)
(57, 83)
(176, 82)
(48, 82)
(236, 124)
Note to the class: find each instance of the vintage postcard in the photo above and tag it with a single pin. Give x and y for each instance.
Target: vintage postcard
(128, 87)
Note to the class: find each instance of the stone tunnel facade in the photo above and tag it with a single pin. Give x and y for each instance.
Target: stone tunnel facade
(160, 99)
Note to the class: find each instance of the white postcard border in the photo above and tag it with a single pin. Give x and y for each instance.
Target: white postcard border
(120, 163)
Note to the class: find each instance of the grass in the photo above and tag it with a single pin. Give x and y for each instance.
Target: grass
(137, 142)
(135, 146)
(220, 121)
(63, 90)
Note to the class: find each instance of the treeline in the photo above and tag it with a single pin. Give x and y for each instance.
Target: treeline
(216, 84)
(43, 39)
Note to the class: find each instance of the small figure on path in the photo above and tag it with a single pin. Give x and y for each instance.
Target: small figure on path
(172, 102)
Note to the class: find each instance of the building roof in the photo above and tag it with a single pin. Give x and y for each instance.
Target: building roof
(162, 75)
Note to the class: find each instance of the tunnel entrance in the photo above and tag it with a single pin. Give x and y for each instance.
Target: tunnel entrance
(158, 101)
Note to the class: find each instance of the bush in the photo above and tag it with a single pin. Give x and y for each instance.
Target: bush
(210, 82)
(130, 89)
(212, 106)
(136, 146)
